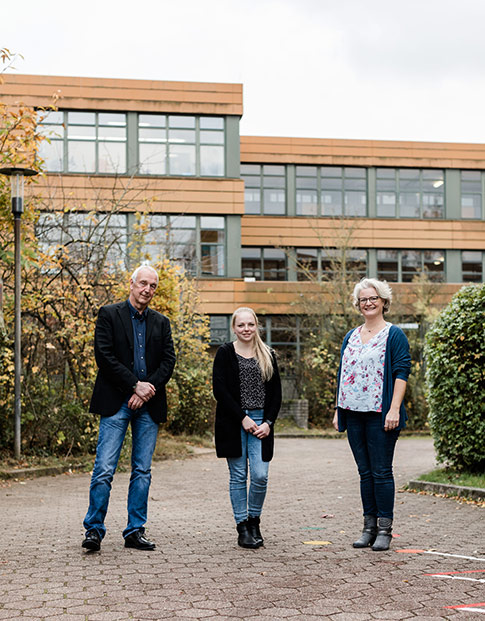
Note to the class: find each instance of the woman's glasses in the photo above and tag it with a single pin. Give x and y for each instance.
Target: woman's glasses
(373, 299)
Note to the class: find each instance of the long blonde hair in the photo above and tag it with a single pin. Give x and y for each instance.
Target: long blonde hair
(261, 350)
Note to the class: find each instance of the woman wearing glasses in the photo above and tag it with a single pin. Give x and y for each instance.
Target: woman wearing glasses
(247, 389)
(374, 368)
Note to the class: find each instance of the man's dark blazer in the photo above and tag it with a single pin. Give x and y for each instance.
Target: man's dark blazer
(113, 348)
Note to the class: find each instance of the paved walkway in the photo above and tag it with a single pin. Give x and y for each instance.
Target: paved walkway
(198, 571)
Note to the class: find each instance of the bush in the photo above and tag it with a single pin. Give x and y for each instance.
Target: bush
(455, 376)
(189, 391)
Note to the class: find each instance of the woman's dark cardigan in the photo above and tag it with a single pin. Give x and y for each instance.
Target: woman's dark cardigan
(229, 413)
(397, 365)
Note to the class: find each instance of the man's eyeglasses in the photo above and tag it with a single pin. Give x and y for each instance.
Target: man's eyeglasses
(373, 299)
(144, 283)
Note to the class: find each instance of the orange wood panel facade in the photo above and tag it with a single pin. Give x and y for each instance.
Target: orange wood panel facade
(362, 233)
(259, 149)
(157, 194)
(223, 296)
(123, 95)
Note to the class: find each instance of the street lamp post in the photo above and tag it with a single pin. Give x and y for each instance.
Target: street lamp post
(17, 175)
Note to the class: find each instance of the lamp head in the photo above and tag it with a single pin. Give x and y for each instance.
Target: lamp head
(17, 175)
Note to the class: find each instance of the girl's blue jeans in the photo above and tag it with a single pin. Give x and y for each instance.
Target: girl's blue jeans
(246, 505)
(373, 450)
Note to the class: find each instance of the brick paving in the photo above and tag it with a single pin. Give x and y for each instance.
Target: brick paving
(198, 571)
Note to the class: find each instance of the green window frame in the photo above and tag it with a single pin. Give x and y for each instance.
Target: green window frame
(220, 329)
(324, 263)
(471, 194)
(86, 142)
(181, 145)
(472, 265)
(410, 193)
(404, 265)
(263, 263)
(331, 191)
(194, 242)
(264, 189)
(90, 236)
(197, 243)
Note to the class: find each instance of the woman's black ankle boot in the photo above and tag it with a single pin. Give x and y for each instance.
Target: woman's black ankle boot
(245, 539)
(369, 532)
(384, 534)
(253, 527)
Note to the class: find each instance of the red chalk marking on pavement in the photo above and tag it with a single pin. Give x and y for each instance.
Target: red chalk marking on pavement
(411, 551)
(450, 573)
(462, 606)
(395, 535)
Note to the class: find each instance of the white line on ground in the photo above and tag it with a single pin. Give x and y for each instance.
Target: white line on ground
(470, 558)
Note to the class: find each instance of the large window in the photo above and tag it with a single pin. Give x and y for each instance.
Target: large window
(471, 194)
(326, 263)
(181, 145)
(278, 331)
(89, 238)
(405, 265)
(472, 265)
(410, 193)
(84, 142)
(96, 142)
(196, 243)
(219, 329)
(265, 189)
(331, 191)
(263, 263)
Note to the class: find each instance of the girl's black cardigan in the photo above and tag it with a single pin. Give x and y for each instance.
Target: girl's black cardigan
(229, 413)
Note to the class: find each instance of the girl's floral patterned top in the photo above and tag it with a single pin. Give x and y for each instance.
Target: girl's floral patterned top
(362, 374)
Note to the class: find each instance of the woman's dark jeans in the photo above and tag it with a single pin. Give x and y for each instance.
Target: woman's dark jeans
(373, 450)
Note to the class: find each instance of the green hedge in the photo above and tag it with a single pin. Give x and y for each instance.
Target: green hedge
(455, 377)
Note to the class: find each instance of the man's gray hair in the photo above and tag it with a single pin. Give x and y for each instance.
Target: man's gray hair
(383, 290)
(134, 276)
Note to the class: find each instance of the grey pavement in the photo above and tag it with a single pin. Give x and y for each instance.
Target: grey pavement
(198, 571)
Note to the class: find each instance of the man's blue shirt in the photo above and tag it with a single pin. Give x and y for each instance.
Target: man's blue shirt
(138, 321)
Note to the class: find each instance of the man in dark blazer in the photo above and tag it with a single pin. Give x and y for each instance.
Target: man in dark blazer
(135, 356)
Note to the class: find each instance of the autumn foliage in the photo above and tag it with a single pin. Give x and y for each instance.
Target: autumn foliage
(63, 285)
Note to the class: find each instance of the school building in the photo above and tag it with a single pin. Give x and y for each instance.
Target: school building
(252, 217)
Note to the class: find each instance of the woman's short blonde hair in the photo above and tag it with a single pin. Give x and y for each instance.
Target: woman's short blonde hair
(383, 290)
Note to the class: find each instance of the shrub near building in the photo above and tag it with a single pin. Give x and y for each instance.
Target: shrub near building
(455, 377)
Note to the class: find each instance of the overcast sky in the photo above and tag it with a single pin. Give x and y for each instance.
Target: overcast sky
(375, 69)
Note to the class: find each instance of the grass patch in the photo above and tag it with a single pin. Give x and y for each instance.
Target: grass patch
(168, 447)
(287, 426)
(179, 447)
(448, 476)
(7, 462)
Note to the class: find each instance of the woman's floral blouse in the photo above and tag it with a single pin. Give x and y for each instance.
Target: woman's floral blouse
(362, 375)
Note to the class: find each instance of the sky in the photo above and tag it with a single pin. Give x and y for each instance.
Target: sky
(362, 69)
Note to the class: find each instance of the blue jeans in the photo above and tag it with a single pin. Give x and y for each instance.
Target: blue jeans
(373, 450)
(112, 431)
(242, 505)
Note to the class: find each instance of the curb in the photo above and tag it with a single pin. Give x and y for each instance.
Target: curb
(41, 471)
(450, 490)
(307, 435)
(14, 474)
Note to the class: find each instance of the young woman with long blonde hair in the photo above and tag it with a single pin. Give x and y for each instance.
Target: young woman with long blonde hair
(247, 388)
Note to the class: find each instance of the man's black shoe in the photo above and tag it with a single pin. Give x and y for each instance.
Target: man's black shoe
(139, 541)
(92, 541)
